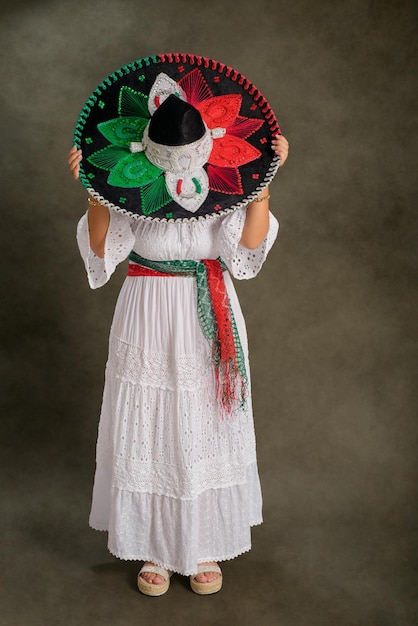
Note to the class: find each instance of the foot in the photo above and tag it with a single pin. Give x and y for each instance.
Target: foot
(153, 580)
(207, 577)
(150, 577)
(207, 580)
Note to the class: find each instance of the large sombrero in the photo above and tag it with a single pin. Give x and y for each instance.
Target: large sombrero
(176, 136)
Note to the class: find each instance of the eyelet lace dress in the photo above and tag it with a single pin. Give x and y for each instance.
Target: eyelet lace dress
(176, 482)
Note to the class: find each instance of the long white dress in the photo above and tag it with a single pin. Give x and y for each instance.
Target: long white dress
(176, 483)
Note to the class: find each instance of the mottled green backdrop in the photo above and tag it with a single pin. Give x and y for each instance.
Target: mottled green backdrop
(332, 318)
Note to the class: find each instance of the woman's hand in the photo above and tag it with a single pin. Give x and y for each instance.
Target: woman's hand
(98, 214)
(74, 158)
(257, 219)
(280, 146)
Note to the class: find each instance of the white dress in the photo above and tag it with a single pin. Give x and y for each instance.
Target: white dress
(176, 483)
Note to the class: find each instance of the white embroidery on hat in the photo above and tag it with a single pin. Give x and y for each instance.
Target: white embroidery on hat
(190, 190)
(136, 146)
(163, 87)
(179, 160)
(218, 132)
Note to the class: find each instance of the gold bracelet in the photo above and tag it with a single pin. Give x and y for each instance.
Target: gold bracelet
(93, 202)
(261, 199)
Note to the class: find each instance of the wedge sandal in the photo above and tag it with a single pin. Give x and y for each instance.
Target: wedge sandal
(213, 586)
(151, 589)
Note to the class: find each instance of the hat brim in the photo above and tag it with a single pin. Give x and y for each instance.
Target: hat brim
(242, 162)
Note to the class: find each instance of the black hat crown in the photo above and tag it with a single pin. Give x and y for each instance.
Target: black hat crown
(176, 123)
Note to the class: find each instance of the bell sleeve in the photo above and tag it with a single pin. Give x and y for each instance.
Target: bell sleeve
(242, 262)
(118, 244)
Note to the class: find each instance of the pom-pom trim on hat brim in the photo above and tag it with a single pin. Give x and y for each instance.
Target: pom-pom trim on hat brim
(198, 61)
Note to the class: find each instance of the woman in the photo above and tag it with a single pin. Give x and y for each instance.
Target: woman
(176, 482)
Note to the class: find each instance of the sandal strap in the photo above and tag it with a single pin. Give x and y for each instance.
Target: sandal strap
(155, 569)
(208, 568)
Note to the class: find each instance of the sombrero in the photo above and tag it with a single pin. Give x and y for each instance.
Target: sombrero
(176, 136)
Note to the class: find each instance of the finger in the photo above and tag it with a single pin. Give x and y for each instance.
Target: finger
(280, 138)
(280, 151)
(74, 153)
(74, 159)
(76, 172)
(282, 156)
(281, 142)
(280, 146)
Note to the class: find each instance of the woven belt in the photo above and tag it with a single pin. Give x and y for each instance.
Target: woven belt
(216, 320)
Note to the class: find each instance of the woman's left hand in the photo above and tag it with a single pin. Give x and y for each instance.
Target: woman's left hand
(74, 158)
(280, 146)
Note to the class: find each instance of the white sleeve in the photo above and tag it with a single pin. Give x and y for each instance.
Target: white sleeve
(119, 243)
(242, 262)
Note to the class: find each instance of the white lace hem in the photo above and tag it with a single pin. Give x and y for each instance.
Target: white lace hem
(178, 534)
(171, 568)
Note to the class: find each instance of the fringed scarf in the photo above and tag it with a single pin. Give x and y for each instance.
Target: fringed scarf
(216, 320)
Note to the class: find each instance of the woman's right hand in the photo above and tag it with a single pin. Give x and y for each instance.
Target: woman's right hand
(74, 158)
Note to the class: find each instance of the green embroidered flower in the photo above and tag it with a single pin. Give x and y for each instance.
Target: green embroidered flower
(126, 169)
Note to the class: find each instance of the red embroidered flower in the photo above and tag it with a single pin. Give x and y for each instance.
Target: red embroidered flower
(229, 151)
